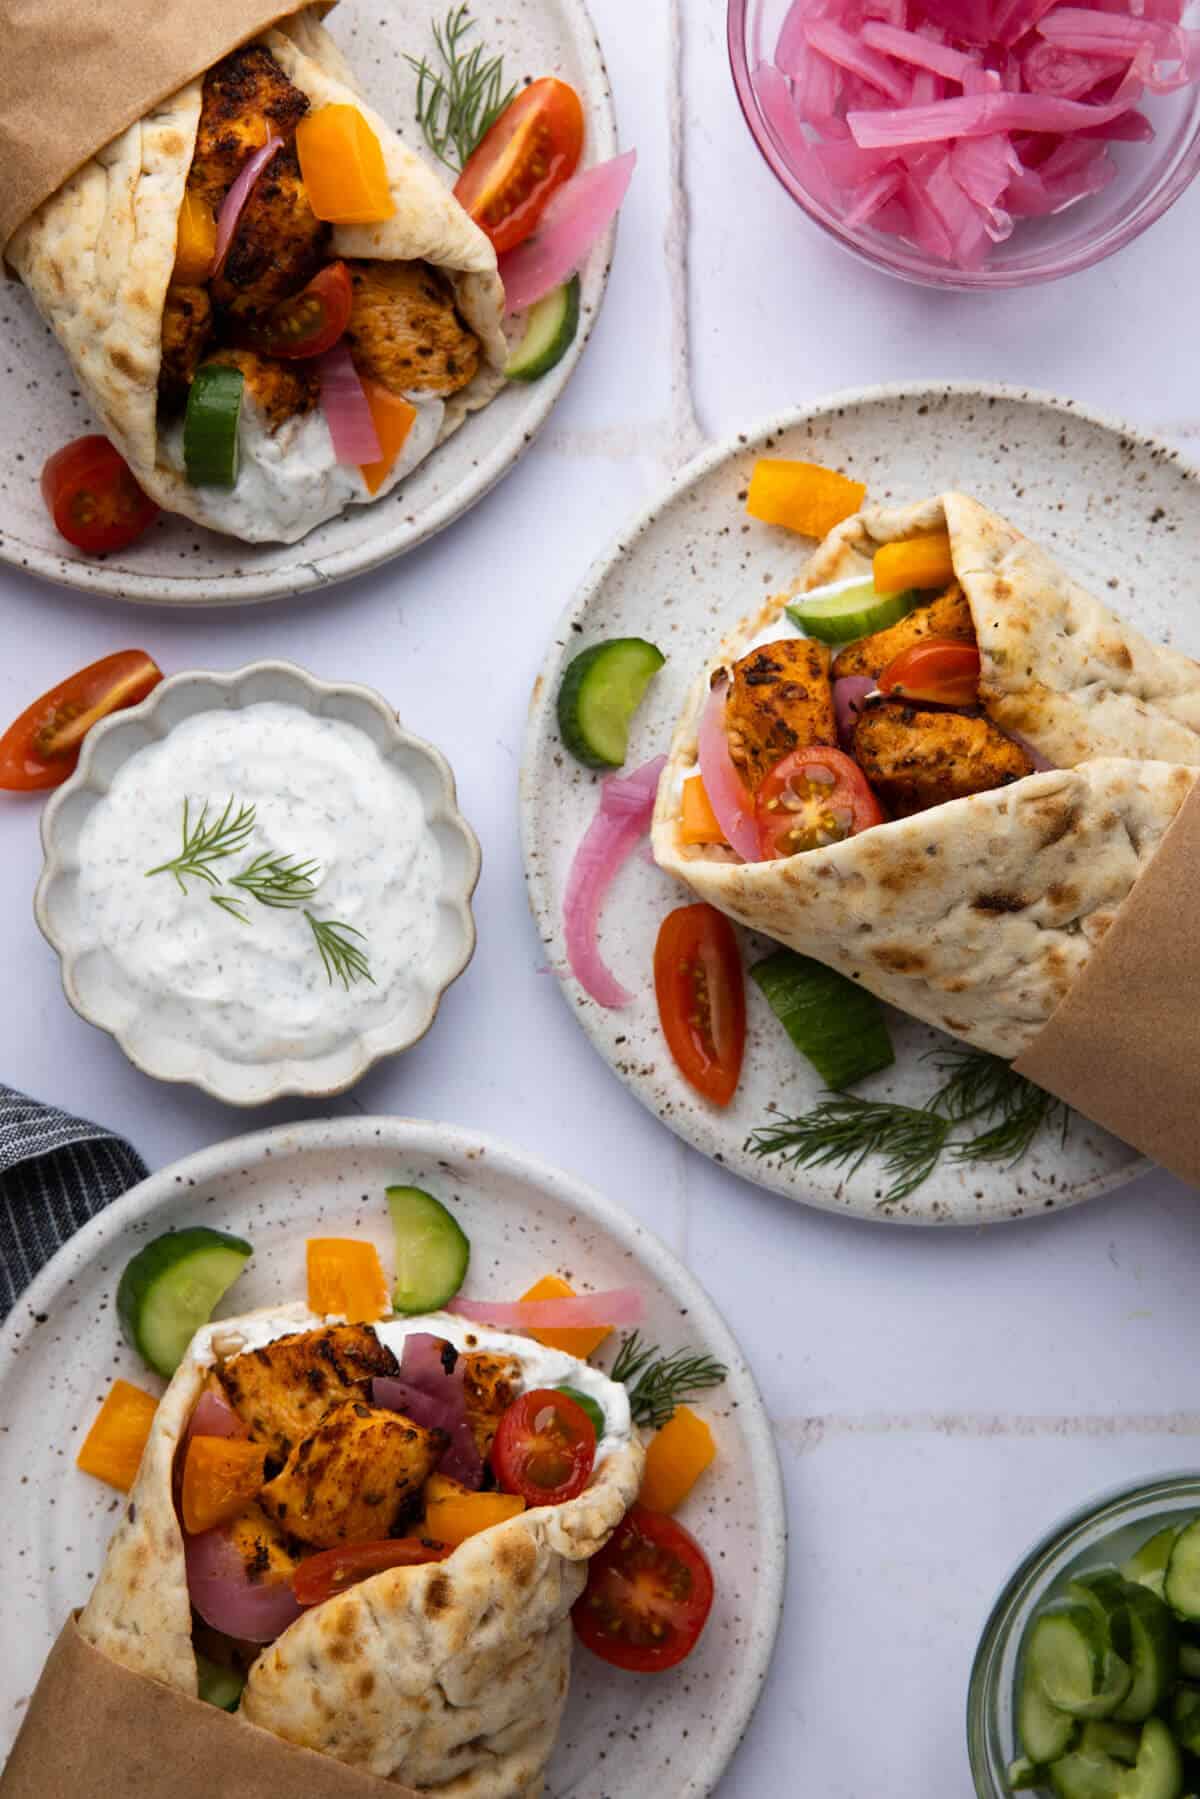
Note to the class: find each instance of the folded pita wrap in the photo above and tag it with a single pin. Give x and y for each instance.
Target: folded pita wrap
(979, 915)
(98, 255)
(450, 1677)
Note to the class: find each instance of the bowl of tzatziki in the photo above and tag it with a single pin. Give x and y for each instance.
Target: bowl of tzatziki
(258, 883)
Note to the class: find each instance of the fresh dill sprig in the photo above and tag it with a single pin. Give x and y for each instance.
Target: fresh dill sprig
(280, 881)
(341, 957)
(205, 843)
(459, 102)
(658, 1383)
(236, 908)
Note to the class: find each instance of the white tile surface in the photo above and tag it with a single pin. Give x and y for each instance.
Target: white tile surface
(939, 1398)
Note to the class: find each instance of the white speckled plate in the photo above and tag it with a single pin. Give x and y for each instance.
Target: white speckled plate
(60, 1347)
(182, 564)
(1123, 513)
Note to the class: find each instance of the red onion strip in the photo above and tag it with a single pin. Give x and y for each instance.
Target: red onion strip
(347, 410)
(235, 200)
(733, 806)
(626, 808)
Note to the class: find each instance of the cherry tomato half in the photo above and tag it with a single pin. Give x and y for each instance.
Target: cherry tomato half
(702, 999)
(648, 1594)
(812, 798)
(533, 147)
(544, 1448)
(311, 321)
(93, 498)
(319, 1577)
(41, 748)
(938, 670)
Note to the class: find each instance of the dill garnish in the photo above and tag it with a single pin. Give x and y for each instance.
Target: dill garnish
(458, 103)
(280, 881)
(341, 957)
(205, 843)
(658, 1383)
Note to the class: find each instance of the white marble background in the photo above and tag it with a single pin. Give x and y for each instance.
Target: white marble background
(938, 1398)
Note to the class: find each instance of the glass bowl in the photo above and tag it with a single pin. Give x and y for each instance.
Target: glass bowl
(1108, 1529)
(1150, 178)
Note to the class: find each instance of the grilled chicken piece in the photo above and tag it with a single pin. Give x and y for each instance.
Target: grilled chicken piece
(285, 1389)
(263, 1547)
(281, 390)
(279, 243)
(187, 321)
(948, 615)
(352, 1479)
(404, 331)
(779, 700)
(246, 96)
(490, 1384)
(915, 759)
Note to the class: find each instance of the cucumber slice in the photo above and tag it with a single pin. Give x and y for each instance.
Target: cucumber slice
(1153, 1655)
(1181, 1588)
(432, 1251)
(172, 1286)
(1045, 1732)
(219, 1686)
(848, 609)
(1080, 1776)
(1158, 1772)
(1148, 1565)
(601, 690)
(1106, 1592)
(549, 333)
(833, 1021)
(1102, 1737)
(1024, 1776)
(210, 425)
(587, 1404)
(1189, 1661)
(1185, 1719)
(1069, 1655)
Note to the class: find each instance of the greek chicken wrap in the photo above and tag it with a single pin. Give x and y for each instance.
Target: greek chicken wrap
(194, 267)
(937, 764)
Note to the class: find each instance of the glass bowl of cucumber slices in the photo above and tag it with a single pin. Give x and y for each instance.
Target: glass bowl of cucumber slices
(1086, 1682)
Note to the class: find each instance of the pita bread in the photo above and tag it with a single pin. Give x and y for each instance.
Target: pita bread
(978, 915)
(450, 1677)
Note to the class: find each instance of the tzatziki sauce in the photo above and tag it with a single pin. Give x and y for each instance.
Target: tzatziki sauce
(258, 991)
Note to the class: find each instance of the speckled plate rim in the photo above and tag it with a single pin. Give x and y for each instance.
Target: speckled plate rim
(431, 1140)
(202, 1073)
(541, 726)
(301, 575)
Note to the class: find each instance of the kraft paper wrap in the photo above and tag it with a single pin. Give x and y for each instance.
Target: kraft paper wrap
(92, 1726)
(74, 74)
(1121, 1047)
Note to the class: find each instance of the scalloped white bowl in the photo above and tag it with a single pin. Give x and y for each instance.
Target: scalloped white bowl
(96, 986)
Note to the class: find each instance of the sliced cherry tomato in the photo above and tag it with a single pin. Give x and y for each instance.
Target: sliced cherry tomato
(544, 1448)
(319, 1577)
(938, 670)
(311, 321)
(812, 798)
(533, 147)
(648, 1594)
(42, 747)
(93, 498)
(702, 999)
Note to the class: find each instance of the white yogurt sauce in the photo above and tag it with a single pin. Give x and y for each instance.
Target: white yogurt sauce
(258, 992)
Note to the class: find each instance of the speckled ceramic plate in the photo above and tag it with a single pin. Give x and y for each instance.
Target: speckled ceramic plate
(60, 1347)
(1123, 513)
(182, 564)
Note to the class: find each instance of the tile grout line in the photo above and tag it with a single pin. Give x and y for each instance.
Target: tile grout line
(687, 436)
(806, 1433)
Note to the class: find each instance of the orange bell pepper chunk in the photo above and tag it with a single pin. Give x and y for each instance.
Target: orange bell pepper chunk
(394, 417)
(698, 821)
(676, 1457)
(195, 241)
(915, 562)
(112, 1449)
(803, 496)
(342, 163)
(577, 1342)
(346, 1280)
(454, 1519)
(221, 1476)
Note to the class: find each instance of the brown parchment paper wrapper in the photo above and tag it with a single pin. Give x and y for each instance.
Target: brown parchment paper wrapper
(1122, 1046)
(74, 73)
(92, 1726)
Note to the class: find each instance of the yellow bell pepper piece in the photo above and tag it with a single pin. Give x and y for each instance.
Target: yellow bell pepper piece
(343, 168)
(464, 1515)
(802, 495)
(675, 1459)
(195, 241)
(698, 821)
(581, 1343)
(112, 1449)
(394, 417)
(221, 1475)
(916, 562)
(346, 1280)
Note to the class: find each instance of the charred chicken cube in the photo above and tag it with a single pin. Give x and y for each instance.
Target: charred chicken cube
(187, 322)
(947, 615)
(404, 331)
(490, 1385)
(278, 245)
(246, 98)
(354, 1477)
(262, 1547)
(915, 758)
(779, 700)
(283, 1390)
(280, 390)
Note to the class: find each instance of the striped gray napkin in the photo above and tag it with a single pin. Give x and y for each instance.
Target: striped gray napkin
(56, 1172)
